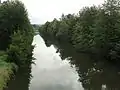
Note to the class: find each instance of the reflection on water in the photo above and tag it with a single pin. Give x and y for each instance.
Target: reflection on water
(88, 72)
(94, 72)
(50, 72)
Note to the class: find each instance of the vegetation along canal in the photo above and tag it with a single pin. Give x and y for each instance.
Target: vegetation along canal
(48, 73)
(75, 52)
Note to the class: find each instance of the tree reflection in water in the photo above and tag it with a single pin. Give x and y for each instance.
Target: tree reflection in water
(94, 71)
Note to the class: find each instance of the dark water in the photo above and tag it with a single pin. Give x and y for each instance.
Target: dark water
(75, 72)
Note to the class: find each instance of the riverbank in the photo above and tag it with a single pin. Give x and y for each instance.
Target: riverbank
(93, 30)
(16, 36)
(6, 70)
(5, 74)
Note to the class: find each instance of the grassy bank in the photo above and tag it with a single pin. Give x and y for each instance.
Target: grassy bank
(16, 36)
(5, 73)
(6, 70)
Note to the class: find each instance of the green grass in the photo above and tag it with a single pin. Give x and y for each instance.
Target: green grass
(6, 70)
(5, 73)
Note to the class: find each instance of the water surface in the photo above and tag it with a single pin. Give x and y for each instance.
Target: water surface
(65, 70)
(50, 72)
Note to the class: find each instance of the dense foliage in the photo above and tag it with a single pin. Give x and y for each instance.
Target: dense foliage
(20, 50)
(16, 32)
(95, 30)
(16, 36)
(91, 42)
(13, 17)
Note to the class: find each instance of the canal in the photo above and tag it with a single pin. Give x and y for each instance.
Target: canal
(75, 72)
(48, 73)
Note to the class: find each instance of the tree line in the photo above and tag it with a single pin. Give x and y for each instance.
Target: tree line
(15, 29)
(94, 30)
(90, 41)
(16, 36)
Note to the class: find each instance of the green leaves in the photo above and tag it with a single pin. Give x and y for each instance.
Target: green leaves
(95, 29)
(13, 17)
(20, 50)
(16, 33)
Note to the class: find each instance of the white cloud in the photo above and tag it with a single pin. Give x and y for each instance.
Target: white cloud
(41, 11)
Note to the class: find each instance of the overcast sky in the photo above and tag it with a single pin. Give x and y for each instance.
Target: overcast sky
(41, 11)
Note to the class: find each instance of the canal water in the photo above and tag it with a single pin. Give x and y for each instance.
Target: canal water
(75, 72)
(50, 72)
